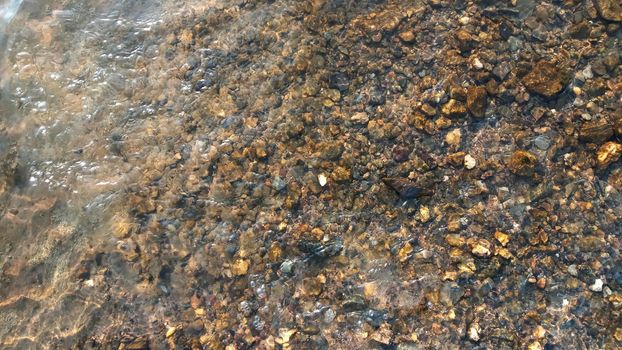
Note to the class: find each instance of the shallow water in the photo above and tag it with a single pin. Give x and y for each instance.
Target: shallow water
(309, 175)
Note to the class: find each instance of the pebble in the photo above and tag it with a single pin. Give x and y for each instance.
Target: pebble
(477, 64)
(454, 137)
(480, 247)
(523, 163)
(542, 142)
(322, 179)
(502, 237)
(502, 70)
(407, 36)
(469, 162)
(424, 213)
(474, 332)
(170, 331)
(535, 346)
(240, 267)
(541, 282)
(453, 109)
(597, 286)
(278, 184)
(546, 79)
(596, 131)
(608, 153)
(406, 188)
(477, 101)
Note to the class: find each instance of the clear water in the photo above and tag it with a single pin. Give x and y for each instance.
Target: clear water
(159, 166)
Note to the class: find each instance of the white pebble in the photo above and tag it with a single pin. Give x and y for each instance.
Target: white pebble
(597, 286)
(469, 162)
(477, 63)
(474, 332)
(322, 179)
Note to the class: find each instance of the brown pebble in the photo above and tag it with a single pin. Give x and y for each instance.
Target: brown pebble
(546, 79)
(596, 131)
(523, 163)
(407, 36)
(477, 101)
(608, 153)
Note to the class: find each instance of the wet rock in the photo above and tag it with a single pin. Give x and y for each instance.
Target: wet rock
(428, 110)
(383, 334)
(455, 240)
(278, 184)
(542, 142)
(275, 252)
(477, 101)
(469, 162)
(480, 247)
(590, 244)
(405, 252)
(453, 109)
(322, 180)
(502, 237)
(597, 286)
(453, 137)
(608, 153)
(596, 131)
(465, 41)
(360, 118)
(523, 163)
(407, 189)
(546, 79)
(330, 150)
(240, 267)
(341, 174)
(610, 10)
(474, 330)
(407, 36)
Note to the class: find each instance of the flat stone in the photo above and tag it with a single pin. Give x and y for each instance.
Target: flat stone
(545, 79)
(596, 131)
(542, 142)
(597, 286)
(477, 101)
